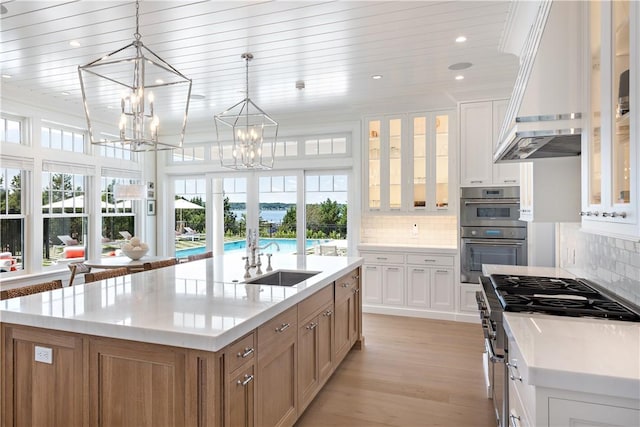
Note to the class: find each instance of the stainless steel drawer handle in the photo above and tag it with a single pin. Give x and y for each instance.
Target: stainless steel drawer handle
(356, 291)
(311, 326)
(419, 270)
(514, 420)
(392, 268)
(247, 380)
(283, 328)
(345, 285)
(442, 271)
(512, 376)
(327, 313)
(382, 258)
(246, 353)
(429, 260)
(355, 276)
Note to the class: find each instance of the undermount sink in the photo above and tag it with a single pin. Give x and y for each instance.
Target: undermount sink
(282, 278)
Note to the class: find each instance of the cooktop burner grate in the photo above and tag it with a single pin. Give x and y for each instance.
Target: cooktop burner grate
(564, 297)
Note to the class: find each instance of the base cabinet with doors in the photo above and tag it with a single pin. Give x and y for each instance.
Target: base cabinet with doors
(413, 282)
(480, 124)
(266, 378)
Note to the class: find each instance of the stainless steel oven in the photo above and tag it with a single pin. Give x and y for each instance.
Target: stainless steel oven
(490, 231)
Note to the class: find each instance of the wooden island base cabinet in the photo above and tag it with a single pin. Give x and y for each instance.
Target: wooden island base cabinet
(266, 378)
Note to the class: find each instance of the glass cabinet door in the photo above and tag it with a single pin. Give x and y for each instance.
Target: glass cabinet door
(419, 162)
(395, 163)
(595, 151)
(442, 161)
(620, 154)
(374, 164)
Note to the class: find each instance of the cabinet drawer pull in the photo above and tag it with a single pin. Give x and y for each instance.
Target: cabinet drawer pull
(442, 271)
(509, 181)
(283, 328)
(511, 375)
(419, 270)
(356, 291)
(355, 276)
(372, 267)
(311, 326)
(247, 380)
(327, 313)
(246, 353)
(429, 260)
(477, 181)
(392, 268)
(382, 258)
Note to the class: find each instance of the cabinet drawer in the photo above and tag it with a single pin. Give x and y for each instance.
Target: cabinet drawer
(382, 258)
(427, 259)
(241, 351)
(518, 415)
(312, 305)
(278, 329)
(346, 285)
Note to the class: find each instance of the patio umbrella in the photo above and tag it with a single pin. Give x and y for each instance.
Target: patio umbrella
(76, 203)
(182, 204)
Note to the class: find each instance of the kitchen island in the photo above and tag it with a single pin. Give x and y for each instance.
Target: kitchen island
(185, 345)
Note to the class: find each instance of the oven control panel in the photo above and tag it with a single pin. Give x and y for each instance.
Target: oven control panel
(515, 233)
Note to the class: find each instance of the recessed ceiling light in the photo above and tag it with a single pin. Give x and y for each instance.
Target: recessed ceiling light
(74, 43)
(460, 66)
(459, 77)
(159, 81)
(6, 76)
(461, 39)
(65, 93)
(376, 77)
(197, 96)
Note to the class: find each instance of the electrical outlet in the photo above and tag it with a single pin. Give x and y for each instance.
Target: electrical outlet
(44, 355)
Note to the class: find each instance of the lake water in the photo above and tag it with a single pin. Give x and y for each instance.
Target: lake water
(270, 216)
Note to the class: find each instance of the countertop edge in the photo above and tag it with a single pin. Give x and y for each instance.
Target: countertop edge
(406, 248)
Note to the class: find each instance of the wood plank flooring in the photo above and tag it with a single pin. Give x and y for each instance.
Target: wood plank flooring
(411, 373)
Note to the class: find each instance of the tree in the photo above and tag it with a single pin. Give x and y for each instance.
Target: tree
(230, 223)
(289, 221)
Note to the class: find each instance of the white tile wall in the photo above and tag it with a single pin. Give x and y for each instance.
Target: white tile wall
(431, 230)
(610, 262)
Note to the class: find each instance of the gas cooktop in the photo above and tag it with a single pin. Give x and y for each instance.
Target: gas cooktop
(559, 296)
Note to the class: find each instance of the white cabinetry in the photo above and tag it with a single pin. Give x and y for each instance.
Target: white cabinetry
(550, 190)
(479, 132)
(412, 282)
(408, 166)
(610, 150)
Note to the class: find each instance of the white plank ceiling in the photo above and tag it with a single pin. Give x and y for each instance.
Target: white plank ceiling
(335, 47)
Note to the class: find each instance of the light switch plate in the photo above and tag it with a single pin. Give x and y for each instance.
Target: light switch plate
(44, 354)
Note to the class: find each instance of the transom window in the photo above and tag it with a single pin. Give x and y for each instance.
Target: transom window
(11, 130)
(64, 139)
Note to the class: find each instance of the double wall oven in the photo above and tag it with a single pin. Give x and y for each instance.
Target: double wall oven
(555, 296)
(490, 231)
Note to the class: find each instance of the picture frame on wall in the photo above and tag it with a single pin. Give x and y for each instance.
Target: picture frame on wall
(151, 191)
(151, 207)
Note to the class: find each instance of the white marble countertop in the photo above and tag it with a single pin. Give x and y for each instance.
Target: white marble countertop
(597, 356)
(587, 355)
(394, 247)
(193, 305)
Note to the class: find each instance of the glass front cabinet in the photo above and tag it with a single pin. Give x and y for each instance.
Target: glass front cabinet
(611, 145)
(408, 160)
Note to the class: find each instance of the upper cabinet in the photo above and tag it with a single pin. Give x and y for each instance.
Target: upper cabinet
(610, 187)
(409, 167)
(479, 132)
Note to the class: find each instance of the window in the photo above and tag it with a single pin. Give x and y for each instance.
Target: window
(235, 210)
(277, 201)
(11, 130)
(188, 154)
(286, 149)
(63, 139)
(118, 216)
(326, 213)
(11, 219)
(190, 204)
(324, 146)
(115, 151)
(64, 216)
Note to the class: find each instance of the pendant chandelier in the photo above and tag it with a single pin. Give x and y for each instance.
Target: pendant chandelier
(134, 99)
(246, 134)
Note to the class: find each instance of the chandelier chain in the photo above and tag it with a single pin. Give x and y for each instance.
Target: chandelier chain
(137, 33)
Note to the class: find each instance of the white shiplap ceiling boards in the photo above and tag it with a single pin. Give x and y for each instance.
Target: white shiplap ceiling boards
(334, 47)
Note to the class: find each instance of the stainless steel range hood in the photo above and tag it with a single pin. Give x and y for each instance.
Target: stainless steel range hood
(543, 117)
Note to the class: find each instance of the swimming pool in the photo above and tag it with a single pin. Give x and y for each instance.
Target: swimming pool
(286, 246)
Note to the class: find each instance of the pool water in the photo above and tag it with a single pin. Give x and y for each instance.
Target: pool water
(286, 246)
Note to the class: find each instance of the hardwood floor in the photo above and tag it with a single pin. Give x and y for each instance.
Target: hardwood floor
(411, 373)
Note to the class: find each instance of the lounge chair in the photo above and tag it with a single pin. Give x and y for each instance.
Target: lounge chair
(126, 235)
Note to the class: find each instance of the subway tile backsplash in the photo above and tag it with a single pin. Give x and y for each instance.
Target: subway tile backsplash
(610, 262)
(410, 230)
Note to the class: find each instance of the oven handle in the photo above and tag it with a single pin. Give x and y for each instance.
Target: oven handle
(492, 202)
(492, 354)
(494, 242)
